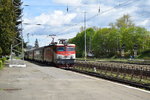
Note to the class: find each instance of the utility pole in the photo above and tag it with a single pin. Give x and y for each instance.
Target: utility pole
(85, 56)
(22, 41)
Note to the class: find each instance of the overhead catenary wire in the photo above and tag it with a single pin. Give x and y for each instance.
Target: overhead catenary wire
(88, 19)
(103, 12)
(117, 6)
(91, 18)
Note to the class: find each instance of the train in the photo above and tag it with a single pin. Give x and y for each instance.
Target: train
(59, 54)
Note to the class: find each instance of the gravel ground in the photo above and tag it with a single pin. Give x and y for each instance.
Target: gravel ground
(36, 82)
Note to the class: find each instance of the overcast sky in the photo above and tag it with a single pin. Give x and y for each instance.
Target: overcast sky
(54, 18)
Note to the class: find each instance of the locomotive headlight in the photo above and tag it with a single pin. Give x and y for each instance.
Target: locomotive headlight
(71, 57)
(59, 57)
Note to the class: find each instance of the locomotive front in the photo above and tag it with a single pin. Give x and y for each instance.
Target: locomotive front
(65, 55)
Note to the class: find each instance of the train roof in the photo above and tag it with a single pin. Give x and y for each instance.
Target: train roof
(49, 46)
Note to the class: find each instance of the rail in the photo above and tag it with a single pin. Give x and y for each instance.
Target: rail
(132, 74)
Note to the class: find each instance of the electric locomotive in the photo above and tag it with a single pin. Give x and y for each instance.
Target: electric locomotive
(60, 54)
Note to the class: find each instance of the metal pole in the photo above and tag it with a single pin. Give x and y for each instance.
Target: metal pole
(85, 35)
(22, 41)
(11, 55)
(11, 44)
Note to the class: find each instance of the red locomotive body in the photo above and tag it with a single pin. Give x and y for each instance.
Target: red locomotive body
(62, 55)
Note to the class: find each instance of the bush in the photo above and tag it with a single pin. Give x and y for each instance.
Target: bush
(4, 59)
(1, 64)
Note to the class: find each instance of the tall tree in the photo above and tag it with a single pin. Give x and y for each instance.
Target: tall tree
(124, 21)
(79, 40)
(36, 43)
(9, 23)
(107, 42)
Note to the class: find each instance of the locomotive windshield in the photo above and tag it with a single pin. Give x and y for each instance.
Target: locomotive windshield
(70, 49)
(60, 48)
(65, 49)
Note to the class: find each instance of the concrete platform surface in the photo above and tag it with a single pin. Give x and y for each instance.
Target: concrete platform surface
(36, 82)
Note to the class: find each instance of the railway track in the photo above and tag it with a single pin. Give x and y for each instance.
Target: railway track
(137, 62)
(131, 74)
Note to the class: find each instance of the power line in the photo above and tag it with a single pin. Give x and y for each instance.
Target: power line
(103, 12)
(117, 6)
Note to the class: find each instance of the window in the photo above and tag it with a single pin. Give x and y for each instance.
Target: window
(60, 48)
(70, 49)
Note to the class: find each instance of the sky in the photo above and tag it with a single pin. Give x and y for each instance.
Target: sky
(42, 18)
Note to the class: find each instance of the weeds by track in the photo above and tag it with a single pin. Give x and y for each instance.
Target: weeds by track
(131, 74)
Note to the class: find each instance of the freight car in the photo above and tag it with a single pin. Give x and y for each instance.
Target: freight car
(61, 55)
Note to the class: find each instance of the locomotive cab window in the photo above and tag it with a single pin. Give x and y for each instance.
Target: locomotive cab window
(70, 49)
(60, 49)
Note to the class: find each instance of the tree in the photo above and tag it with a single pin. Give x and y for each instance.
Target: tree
(124, 21)
(7, 26)
(80, 42)
(106, 42)
(0, 51)
(10, 13)
(36, 44)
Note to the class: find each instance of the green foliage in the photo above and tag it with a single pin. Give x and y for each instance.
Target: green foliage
(79, 41)
(107, 42)
(0, 51)
(1, 64)
(3, 59)
(124, 22)
(10, 13)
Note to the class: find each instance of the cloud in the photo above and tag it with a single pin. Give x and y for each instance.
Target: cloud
(69, 2)
(49, 22)
(61, 23)
(57, 18)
